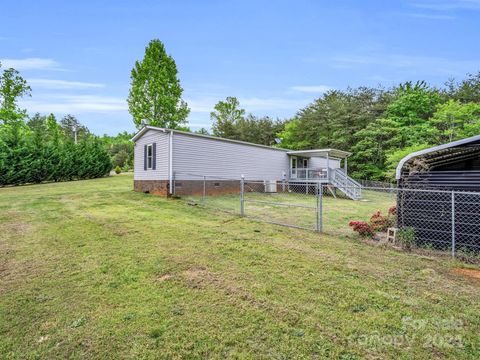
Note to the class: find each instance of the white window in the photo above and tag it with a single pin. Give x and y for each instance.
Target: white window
(305, 163)
(149, 156)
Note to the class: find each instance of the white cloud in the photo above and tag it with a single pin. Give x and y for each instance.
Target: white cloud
(62, 84)
(410, 64)
(31, 64)
(202, 104)
(272, 104)
(431, 16)
(446, 5)
(311, 88)
(75, 104)
(199, 125)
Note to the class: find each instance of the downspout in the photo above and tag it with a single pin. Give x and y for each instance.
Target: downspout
(170, 162)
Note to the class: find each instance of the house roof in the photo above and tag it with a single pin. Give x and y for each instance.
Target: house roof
(445, 152)
(148, 127)
(334, 153)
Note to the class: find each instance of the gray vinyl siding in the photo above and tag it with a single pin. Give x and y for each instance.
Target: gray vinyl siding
(320, 162)
(224, 159)
(161, 171)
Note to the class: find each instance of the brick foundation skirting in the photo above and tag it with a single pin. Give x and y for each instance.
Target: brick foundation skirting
(212, 187)
(156, 187)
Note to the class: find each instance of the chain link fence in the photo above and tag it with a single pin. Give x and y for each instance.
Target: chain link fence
(427, 219)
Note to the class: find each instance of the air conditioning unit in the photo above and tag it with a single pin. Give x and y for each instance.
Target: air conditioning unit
(270, 186)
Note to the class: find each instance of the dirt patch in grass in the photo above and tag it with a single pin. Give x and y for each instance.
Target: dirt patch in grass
(163, 277)
(200, 277)
(13, 271)
(470, 273)
(14, 225)
(115, 228)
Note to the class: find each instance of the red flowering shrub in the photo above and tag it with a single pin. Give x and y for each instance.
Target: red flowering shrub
(378, 222)
(362, 227)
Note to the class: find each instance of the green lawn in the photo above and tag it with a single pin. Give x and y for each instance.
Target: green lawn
(91, 269)
(301, 212)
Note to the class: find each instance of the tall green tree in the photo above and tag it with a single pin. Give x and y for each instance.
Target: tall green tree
(259, 130)
(155, 96)
(467, 90)
(454, 120)
(73, 129)
(226, 116)
(12, 87)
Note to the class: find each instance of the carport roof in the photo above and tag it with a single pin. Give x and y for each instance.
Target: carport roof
(445, 153)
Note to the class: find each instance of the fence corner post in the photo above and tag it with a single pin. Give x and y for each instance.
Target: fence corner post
(319, 207)
(242, 199)
(453, 223)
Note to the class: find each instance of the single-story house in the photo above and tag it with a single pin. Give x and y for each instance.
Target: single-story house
(425, 201)
(164, 157)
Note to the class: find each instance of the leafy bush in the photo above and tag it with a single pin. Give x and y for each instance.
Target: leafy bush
(118, 169)
(378, 222)
(363, 228)
(406, 237)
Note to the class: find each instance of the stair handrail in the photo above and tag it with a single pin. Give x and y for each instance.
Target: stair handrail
(346, 184)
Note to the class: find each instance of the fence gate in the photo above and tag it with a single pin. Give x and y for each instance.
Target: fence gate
(282, 202)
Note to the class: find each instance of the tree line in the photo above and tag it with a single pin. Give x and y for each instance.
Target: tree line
(39, 148)
(381, 126)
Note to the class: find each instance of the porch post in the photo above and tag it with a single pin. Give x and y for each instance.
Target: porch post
(328, 167)
(346, 165)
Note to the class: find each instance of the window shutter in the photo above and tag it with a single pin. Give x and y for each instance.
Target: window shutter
(154, 156)
(145, 157)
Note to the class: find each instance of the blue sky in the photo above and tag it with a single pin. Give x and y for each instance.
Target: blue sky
(275, 56)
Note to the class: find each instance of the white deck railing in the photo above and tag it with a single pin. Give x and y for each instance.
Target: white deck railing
(336, 177)
(309, 174)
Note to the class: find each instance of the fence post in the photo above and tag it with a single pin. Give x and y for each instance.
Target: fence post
(204, 188)
(453, 223)
(319, 209)
(242, 199)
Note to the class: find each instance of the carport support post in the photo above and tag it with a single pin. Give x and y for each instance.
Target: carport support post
(453, 223)
(242, 200)
(319, 209)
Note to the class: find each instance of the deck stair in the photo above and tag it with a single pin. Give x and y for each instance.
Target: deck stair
(345, 184)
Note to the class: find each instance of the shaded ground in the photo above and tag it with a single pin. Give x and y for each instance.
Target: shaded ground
(92, 269)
